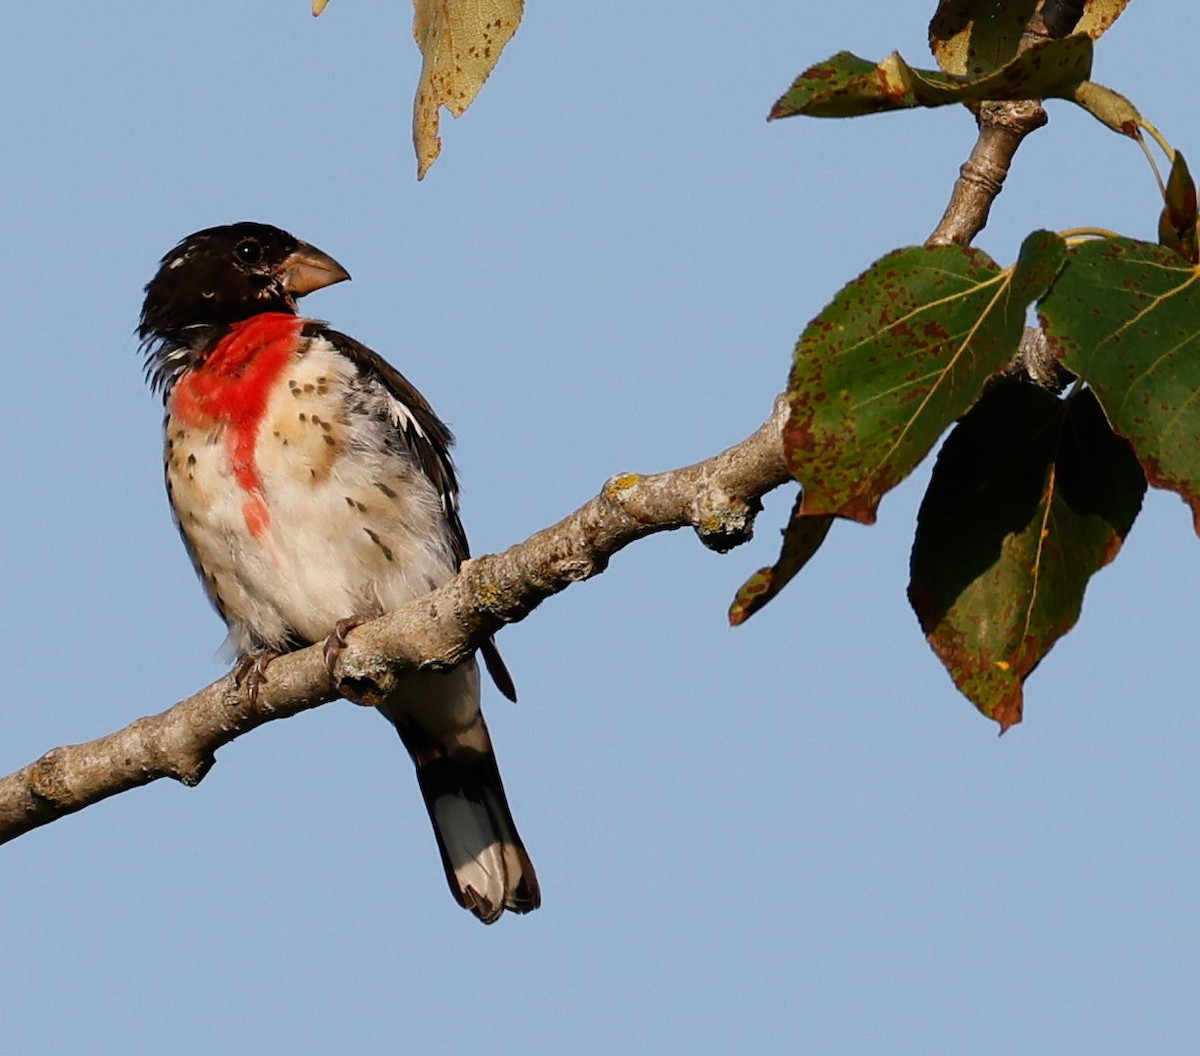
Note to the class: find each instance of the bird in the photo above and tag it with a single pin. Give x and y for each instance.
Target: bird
(314, 489)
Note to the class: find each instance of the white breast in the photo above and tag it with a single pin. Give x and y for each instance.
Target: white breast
(342, 524)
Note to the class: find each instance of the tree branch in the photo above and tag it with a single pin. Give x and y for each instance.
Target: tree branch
(719, 498)
(1003, 127)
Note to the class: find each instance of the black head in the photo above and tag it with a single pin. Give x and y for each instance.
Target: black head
(221, 276)
(225, 274)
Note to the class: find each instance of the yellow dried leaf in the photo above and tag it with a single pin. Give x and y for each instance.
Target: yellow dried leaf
(460, 41)
(1098, 16)
(973, 37)
(318, 6)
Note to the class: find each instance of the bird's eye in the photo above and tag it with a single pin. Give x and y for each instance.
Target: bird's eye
(248, 251)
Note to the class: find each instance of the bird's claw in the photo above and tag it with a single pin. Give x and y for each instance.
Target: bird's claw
(336, 641)
(251, 671)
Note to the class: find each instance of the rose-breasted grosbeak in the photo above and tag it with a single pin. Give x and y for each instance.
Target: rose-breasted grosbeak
(313, 487)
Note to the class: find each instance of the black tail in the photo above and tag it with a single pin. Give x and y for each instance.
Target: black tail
(486, 864)
(439, 721)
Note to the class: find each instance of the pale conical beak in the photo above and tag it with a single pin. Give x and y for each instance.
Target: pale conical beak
(308, 269)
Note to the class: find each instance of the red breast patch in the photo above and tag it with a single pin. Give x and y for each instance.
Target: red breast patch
(231, 389)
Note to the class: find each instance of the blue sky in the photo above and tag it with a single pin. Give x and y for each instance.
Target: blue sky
(793, 836)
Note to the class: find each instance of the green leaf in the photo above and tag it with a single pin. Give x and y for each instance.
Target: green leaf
(1030, 496)
(1177, 224)
(1125, 317)
(901, 352)
(973, 37)
(847, 86)
(801, 539)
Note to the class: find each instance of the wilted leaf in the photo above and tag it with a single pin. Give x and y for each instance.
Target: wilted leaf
(1177, 224)
(801, 539)
(1125, 317)
(901, 352)
(847, 86)
(460, 41)
(1098, 15)
(1030, 496)
(973, 37)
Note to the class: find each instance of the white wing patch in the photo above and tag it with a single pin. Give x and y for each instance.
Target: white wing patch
(407, 423)
(404, 418)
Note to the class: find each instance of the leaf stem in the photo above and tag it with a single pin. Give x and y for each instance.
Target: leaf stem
(1075, 235)
(1159, 138)
(1141, 142)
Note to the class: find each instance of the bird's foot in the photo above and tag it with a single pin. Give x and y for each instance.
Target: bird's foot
(336, 641)
(251, 671)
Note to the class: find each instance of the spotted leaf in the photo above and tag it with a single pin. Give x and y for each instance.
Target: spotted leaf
(802, 538)
(847, 86)
(902, 352)
(1125, 317)
(1030, 496)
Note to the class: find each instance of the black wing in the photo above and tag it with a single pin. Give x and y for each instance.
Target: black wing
(430, 440)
